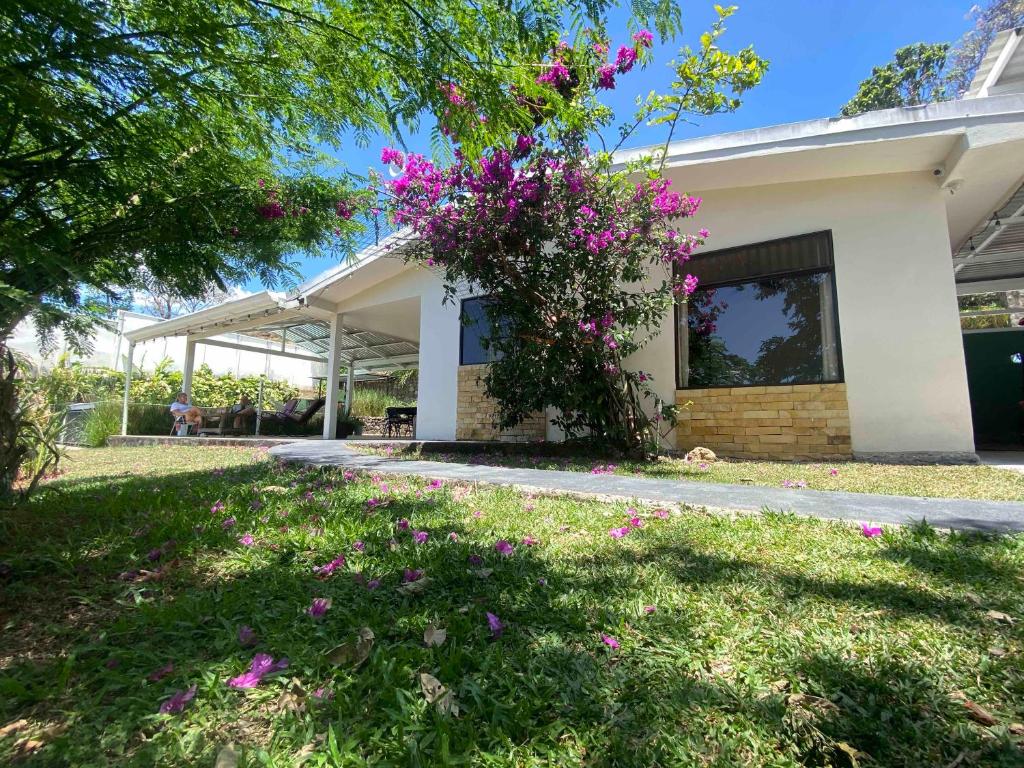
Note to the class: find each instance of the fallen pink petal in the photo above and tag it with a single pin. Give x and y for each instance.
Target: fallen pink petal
(529, 541)
(161, 673)
(870, 531)
(247, 540)
(420, 537)
(178, 700)
(246, 635)
(410, 575)
(495, 624)
(618, 533)
(262, 665)
(502, 547)
(649, 609)
(319, 607)
(610, 641)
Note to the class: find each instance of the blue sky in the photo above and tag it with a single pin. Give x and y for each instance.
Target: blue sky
(819, 51)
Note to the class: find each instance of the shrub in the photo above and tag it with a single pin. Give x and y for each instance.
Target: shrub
(372, 402)
(103, 421)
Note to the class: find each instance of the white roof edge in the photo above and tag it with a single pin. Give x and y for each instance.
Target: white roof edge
(358, 260)
(881, 124)
(257, 302)
(999, 42)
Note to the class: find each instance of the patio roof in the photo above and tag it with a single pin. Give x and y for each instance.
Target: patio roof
(366, 349)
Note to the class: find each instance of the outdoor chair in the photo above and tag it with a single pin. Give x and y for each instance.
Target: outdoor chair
(177, 422)
(399, 419)
(287, 415)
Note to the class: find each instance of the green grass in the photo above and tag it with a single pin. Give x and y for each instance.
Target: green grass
(775, 641)
(961, 481)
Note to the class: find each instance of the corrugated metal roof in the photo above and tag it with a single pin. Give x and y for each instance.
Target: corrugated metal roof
(356, 344)
(995, 249)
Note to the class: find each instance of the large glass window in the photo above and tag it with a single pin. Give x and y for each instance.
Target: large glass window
(763, 314)
(476, 330)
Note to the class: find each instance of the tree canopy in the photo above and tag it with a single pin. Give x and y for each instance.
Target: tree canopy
(185, 140)
(926, 72)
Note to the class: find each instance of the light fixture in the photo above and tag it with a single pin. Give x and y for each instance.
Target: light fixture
(996, 220)
(972, 243)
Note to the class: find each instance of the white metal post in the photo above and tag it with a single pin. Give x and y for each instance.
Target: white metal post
(127, 387)
(190, 364)
(259, 408)
(350, 387)
(333, 372)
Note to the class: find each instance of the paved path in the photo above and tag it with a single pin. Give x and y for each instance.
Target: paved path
(942, 513)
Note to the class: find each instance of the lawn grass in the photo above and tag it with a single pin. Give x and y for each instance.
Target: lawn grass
(773, 641)
(961, 481)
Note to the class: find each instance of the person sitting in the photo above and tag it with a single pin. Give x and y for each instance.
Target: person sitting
(241, 411)
(182, 410)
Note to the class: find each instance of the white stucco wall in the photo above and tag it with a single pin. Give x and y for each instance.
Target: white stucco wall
(898, 322)
(439, 363)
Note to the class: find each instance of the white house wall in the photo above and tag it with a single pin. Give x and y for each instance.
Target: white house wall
(898, 321)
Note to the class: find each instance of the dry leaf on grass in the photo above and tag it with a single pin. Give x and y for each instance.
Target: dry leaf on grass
(807, 701)
(999, 616)
(353, 652)
(13, 727)
(435, 693)
(434, 636)
(417, 587)
(227, 757)
(292, 698)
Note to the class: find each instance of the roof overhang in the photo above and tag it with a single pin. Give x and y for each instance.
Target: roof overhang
(228, 317)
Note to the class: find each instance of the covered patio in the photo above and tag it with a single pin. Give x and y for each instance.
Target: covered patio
(338, 344)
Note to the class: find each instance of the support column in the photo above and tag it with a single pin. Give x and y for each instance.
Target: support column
(350, 387)
(333, 373)
(190, 364)
(127, 387)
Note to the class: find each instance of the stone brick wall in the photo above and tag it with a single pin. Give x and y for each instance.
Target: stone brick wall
(806, 421)
(476, 415)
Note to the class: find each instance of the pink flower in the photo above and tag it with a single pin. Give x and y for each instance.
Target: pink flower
(323, 694)
(420, 537)
(328, 568)
(453, 536)
(262, 665)
(503, 548)
(319, 607)
(606, 77)
(644, 38)
(529, 541)
(475, 560)
(625, 59)
(390, 156)
(833, 472)
(161, 673)
(372, 584)
(246, 540)
(618, 533)
(402, 524)
(246, 636)
(478, 514)
(662, 514)
(410, 575)
(177, 702)
(555, 75)
(870, 531)
(495, 624)
(434, 485)
(217, 507)
(610, 641)
(636, 522)
(358, 546)
(228, 523)
(649, 609)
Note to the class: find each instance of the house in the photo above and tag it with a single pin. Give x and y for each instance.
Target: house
(826, 324)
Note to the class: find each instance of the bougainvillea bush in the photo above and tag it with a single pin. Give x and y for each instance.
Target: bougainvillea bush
(580, 258)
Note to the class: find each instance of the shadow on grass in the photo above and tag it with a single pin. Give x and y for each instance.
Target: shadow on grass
(547, 690)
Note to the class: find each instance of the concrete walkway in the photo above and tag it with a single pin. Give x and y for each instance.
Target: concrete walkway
(942, 513)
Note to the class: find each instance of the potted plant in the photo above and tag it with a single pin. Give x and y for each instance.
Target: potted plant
(348, 425)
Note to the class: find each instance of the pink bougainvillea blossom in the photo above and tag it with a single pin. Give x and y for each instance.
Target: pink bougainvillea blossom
(402, 524)
(662, 514)
(870, 531)
(327, 569)
(247, 540)
(643, 38)
(161, 673)
(319, 607)
(503, 547)
(420, 537)
(495, 625)
(217, 508)
(610, 641)
(410, 575)
(529, 541)
(618, 533)
(372, 584)
(475, 560)
(263, 664)
(649, 609)
(606, 77)
(833, 472)
(246, 636)
(625, 59)
(228, 523)
(358, 546)
(178, 700)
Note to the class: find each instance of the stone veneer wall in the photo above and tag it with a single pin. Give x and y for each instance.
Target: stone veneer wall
(802, 421)
(476, 415)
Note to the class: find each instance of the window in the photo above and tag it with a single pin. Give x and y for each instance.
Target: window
(761, 315)
(476, 329)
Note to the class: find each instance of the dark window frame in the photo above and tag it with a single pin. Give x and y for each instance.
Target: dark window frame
(830, 270)
(462, 328)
